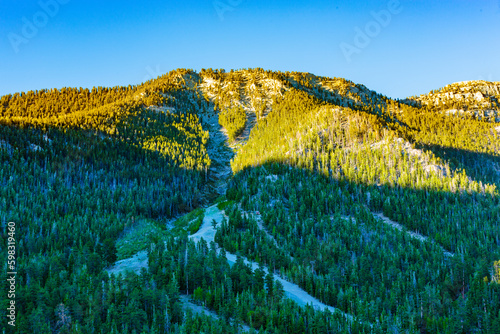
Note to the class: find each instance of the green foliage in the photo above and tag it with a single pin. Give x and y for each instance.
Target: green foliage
(190, 222)
(233, 120)
(137, 237)
(332, 167)
(224, 204)
(331, 245)
(83, 170)
(177, 137)
(236, 292)
(88, 175)
(194, 226)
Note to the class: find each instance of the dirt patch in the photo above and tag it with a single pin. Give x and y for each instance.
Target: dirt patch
(207, 231)
(134, 264)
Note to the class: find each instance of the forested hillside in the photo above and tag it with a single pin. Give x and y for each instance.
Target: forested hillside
(386, 210)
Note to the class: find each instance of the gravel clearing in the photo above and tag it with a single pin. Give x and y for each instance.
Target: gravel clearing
(292, 291)
(134, 264)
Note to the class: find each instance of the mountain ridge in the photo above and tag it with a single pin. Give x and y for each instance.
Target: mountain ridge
(385, 210)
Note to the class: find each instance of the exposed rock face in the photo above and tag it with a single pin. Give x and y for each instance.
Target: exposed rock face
(479, 98)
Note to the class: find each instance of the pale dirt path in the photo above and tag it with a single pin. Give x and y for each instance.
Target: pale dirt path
(292, 291)
(219, 153)
(399, 227)
(418, 236)
(206, 230)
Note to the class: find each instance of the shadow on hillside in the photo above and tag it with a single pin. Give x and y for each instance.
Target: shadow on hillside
(425, 211)
(482, 167)
(457, 222)
(341, 100)
(143, 182)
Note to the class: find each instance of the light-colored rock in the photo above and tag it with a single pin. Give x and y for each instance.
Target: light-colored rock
(478, 96)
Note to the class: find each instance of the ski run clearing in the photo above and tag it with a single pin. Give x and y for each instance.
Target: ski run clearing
(412, 234)
(207, 232)
(292, 291)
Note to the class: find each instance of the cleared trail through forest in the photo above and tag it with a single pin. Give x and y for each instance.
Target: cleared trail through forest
(292, 291)
(423, 238)
(140, 260)
(219, 153)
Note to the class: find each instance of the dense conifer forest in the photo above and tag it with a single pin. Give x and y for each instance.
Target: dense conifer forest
(192, 202)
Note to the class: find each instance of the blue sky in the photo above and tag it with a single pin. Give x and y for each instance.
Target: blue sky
(398, 48)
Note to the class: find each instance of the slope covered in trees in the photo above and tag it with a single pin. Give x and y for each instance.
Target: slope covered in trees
(327, 170)
(316, 161)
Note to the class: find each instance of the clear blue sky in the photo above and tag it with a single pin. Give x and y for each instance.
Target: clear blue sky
(423, 45)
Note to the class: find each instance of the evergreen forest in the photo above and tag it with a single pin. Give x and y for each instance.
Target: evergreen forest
(251, 201)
